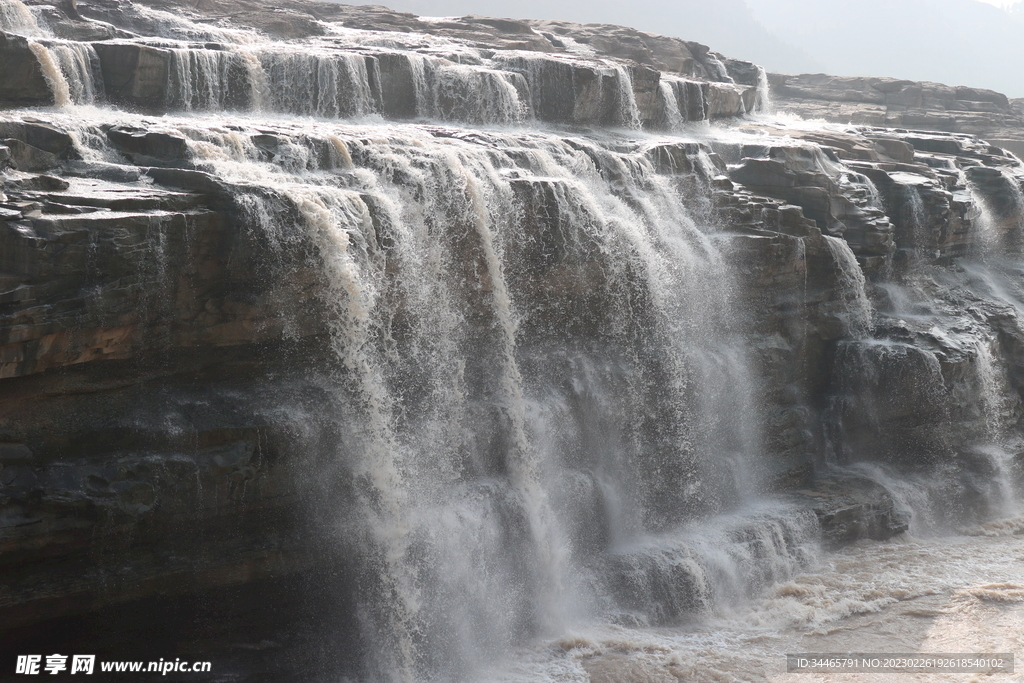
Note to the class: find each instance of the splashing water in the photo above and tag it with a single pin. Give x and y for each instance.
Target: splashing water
(79, 66)
(673, 108)
(15, 17)
(764, 105)
(52, 73)
(851, 288)
(544, 409)
(70, 68)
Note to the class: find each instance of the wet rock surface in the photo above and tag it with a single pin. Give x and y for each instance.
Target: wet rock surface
(23, 83)
(894, 103)
(849, 509)
(573, 73)
(165, 420)
(154, 294)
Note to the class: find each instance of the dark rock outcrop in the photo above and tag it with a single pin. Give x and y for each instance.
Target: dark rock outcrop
(135, 74)
(125, 300)
(171, 348)
(23, 83)
(850, 508)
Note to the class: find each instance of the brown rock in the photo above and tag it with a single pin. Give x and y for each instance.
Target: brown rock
(135, 75)
(23, 83)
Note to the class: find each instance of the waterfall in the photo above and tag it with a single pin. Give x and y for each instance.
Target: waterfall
(15, 17)
(435, 368)
(455, 92)
(863, 191)
(606, 94)
(71, 68)
(629, 115)
(1016, 210)
(206, 79)
(1000, 203)
(324, 85)
(672, 109)
(986, 236)
(352, 76)
(720, 73)
(1001, 487)
(687, 99)
(52, 73)
(764, 103)
(334, 84)
(697, 103)
(874, 197)
(878, 383)
(851, 287)
(1000, 409)
(528, 372)
(914, 216)
(80, 67)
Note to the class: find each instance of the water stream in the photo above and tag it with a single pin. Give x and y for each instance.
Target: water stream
(549, 460)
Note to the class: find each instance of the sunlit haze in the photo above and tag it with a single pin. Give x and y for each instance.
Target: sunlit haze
(956, 42)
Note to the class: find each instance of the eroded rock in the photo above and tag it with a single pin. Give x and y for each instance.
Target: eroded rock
(851, 508)
(23, 83)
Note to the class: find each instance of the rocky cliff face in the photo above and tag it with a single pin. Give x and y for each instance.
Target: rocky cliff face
(511, 262)
(893, 103)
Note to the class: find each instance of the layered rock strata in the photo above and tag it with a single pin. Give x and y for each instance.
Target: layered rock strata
(186, 305)
(895, 103)
(553, 72)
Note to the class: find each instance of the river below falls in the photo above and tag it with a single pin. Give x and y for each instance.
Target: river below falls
(944, 594)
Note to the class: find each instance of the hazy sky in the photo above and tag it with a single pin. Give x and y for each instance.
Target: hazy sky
(957, 42)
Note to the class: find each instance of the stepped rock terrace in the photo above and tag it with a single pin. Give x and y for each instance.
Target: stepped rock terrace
(362, 346)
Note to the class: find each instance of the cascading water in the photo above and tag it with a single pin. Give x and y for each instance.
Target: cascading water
(764, 105)
(79, 66)
(1016, 211)
(684, 102)
(52, 73)
(860, 184)
(531, 216)
(673, 107)
(455, 92)
(913, 215)
(325, 85)
(629, 114)
(71, 68)
(201, 78)
(15, 17)
(544, 404)
(524, 220)
(1000, 204)
(851, 290)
